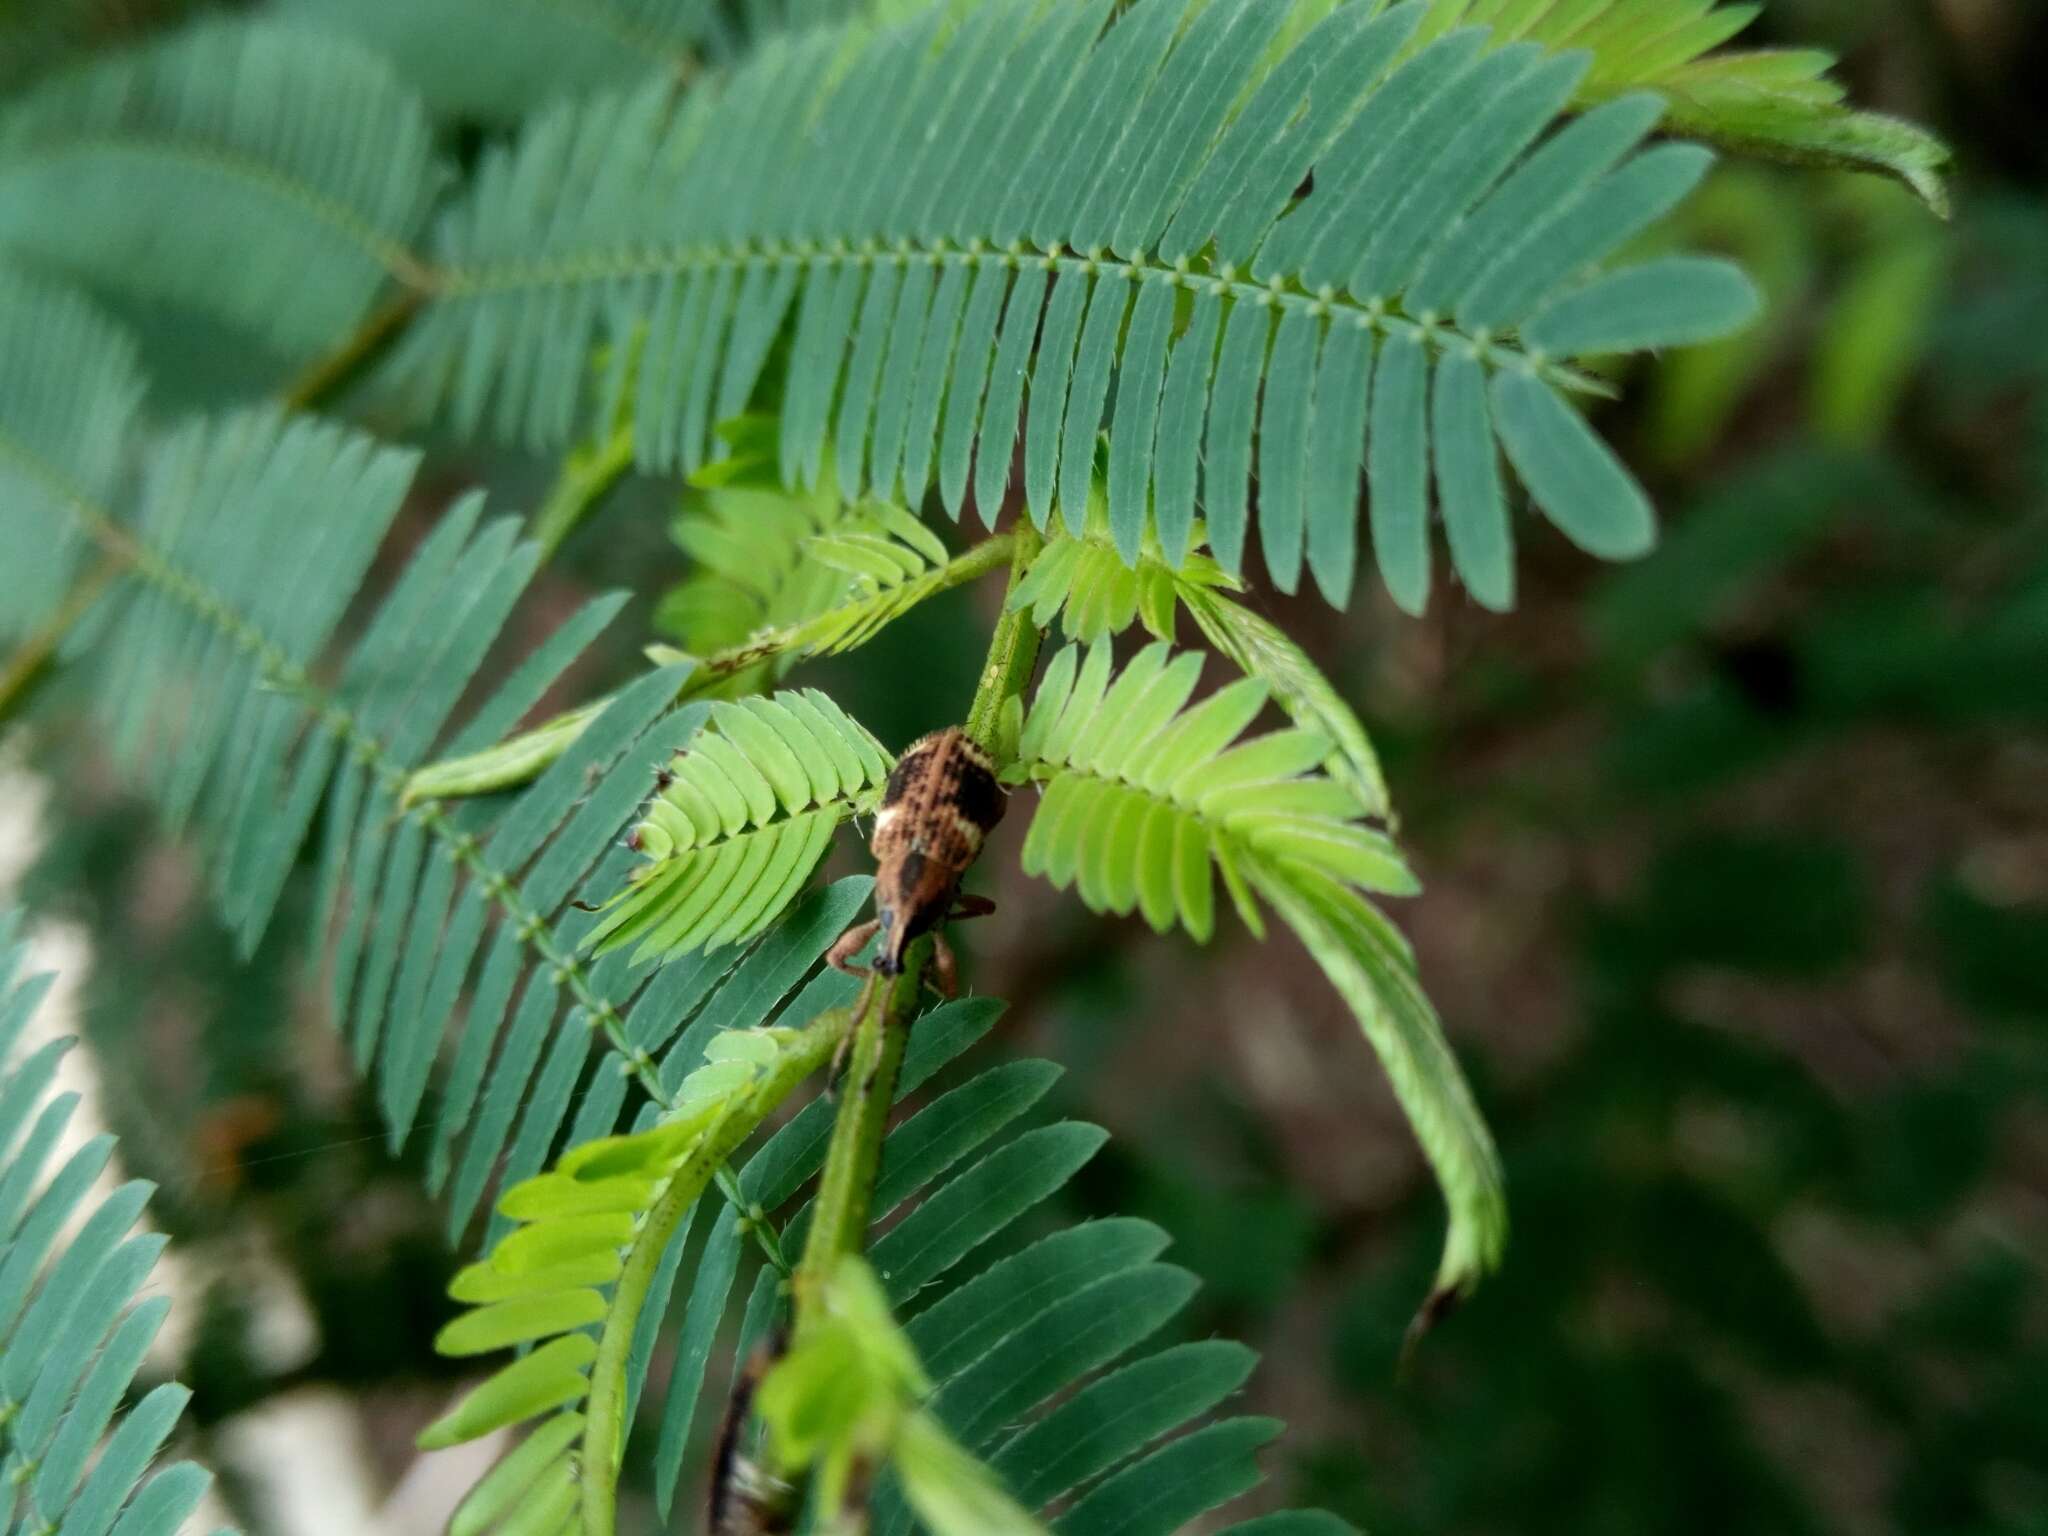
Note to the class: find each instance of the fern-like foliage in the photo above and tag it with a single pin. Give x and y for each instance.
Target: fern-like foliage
(67, 436)
(1145, 804)
(793, 574)
(1147, 801)
(1080, 581)
(1005, 1342)
(319, 166)
(890, 561)
(745, 537)
(743, 815)
(1775, 102)
(493, 59)
(844, 588)
(1421, 306)
(214, 664)
(935, 247)
(1261, 649)
(74, 1325)
(571, 1227)
(455, 934)
(296, 162)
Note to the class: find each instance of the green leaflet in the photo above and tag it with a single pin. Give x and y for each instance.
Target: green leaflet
(1454, 204)
(751, 543)
(63, 435)
(1144, 797)
(480, 58)
(1120, 1412)
(509, 1484)
(1262, 650)
(1776, 103)
(1083, 580)
(886, 563)
(299, 159)
(1371, 966)
(578, 1220)
(1183, 1479)
(552, 1375)
(741, 816)
(203, 669)
(74, 1324)
(1147, 800)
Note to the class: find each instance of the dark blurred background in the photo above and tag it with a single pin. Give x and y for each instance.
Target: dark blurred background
(1736, 908)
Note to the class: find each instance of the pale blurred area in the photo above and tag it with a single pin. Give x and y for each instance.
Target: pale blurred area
(303, 1458)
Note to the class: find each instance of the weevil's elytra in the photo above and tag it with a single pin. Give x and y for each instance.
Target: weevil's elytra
(940, 804)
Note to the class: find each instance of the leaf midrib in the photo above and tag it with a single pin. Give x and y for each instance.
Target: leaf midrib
(325, 712)
(485, 280)
(392, 254)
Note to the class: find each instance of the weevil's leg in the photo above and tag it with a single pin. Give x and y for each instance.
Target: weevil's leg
(965, 907)
(945, 972)
(848, 944)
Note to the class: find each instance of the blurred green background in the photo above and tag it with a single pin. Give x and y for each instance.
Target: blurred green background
(1736, 907)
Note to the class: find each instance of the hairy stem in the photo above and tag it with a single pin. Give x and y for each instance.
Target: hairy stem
(604, 1431)
(1012, 651)
(524, 757)
(839, 1216)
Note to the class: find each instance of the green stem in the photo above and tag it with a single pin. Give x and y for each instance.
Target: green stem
(327, 376)
(604, 1430)
(754, 1220)
(839, 1215)
(1012, 651)
(25, 668)
(587, 475)
(522, 758)
(512, 762)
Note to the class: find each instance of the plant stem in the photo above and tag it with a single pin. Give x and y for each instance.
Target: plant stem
(604, 1430)
(839, 1216)
(587, 475)
(327, 376)
(1012, 651)
(522, 758)
(33, 657)
(878, 1025)
(763, 1230)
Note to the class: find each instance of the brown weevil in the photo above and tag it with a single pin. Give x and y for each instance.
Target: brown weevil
(941, 803)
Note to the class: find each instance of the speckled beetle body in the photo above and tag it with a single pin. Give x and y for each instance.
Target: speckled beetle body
(941, 803)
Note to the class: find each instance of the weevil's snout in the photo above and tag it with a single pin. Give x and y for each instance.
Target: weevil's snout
(890, 942)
